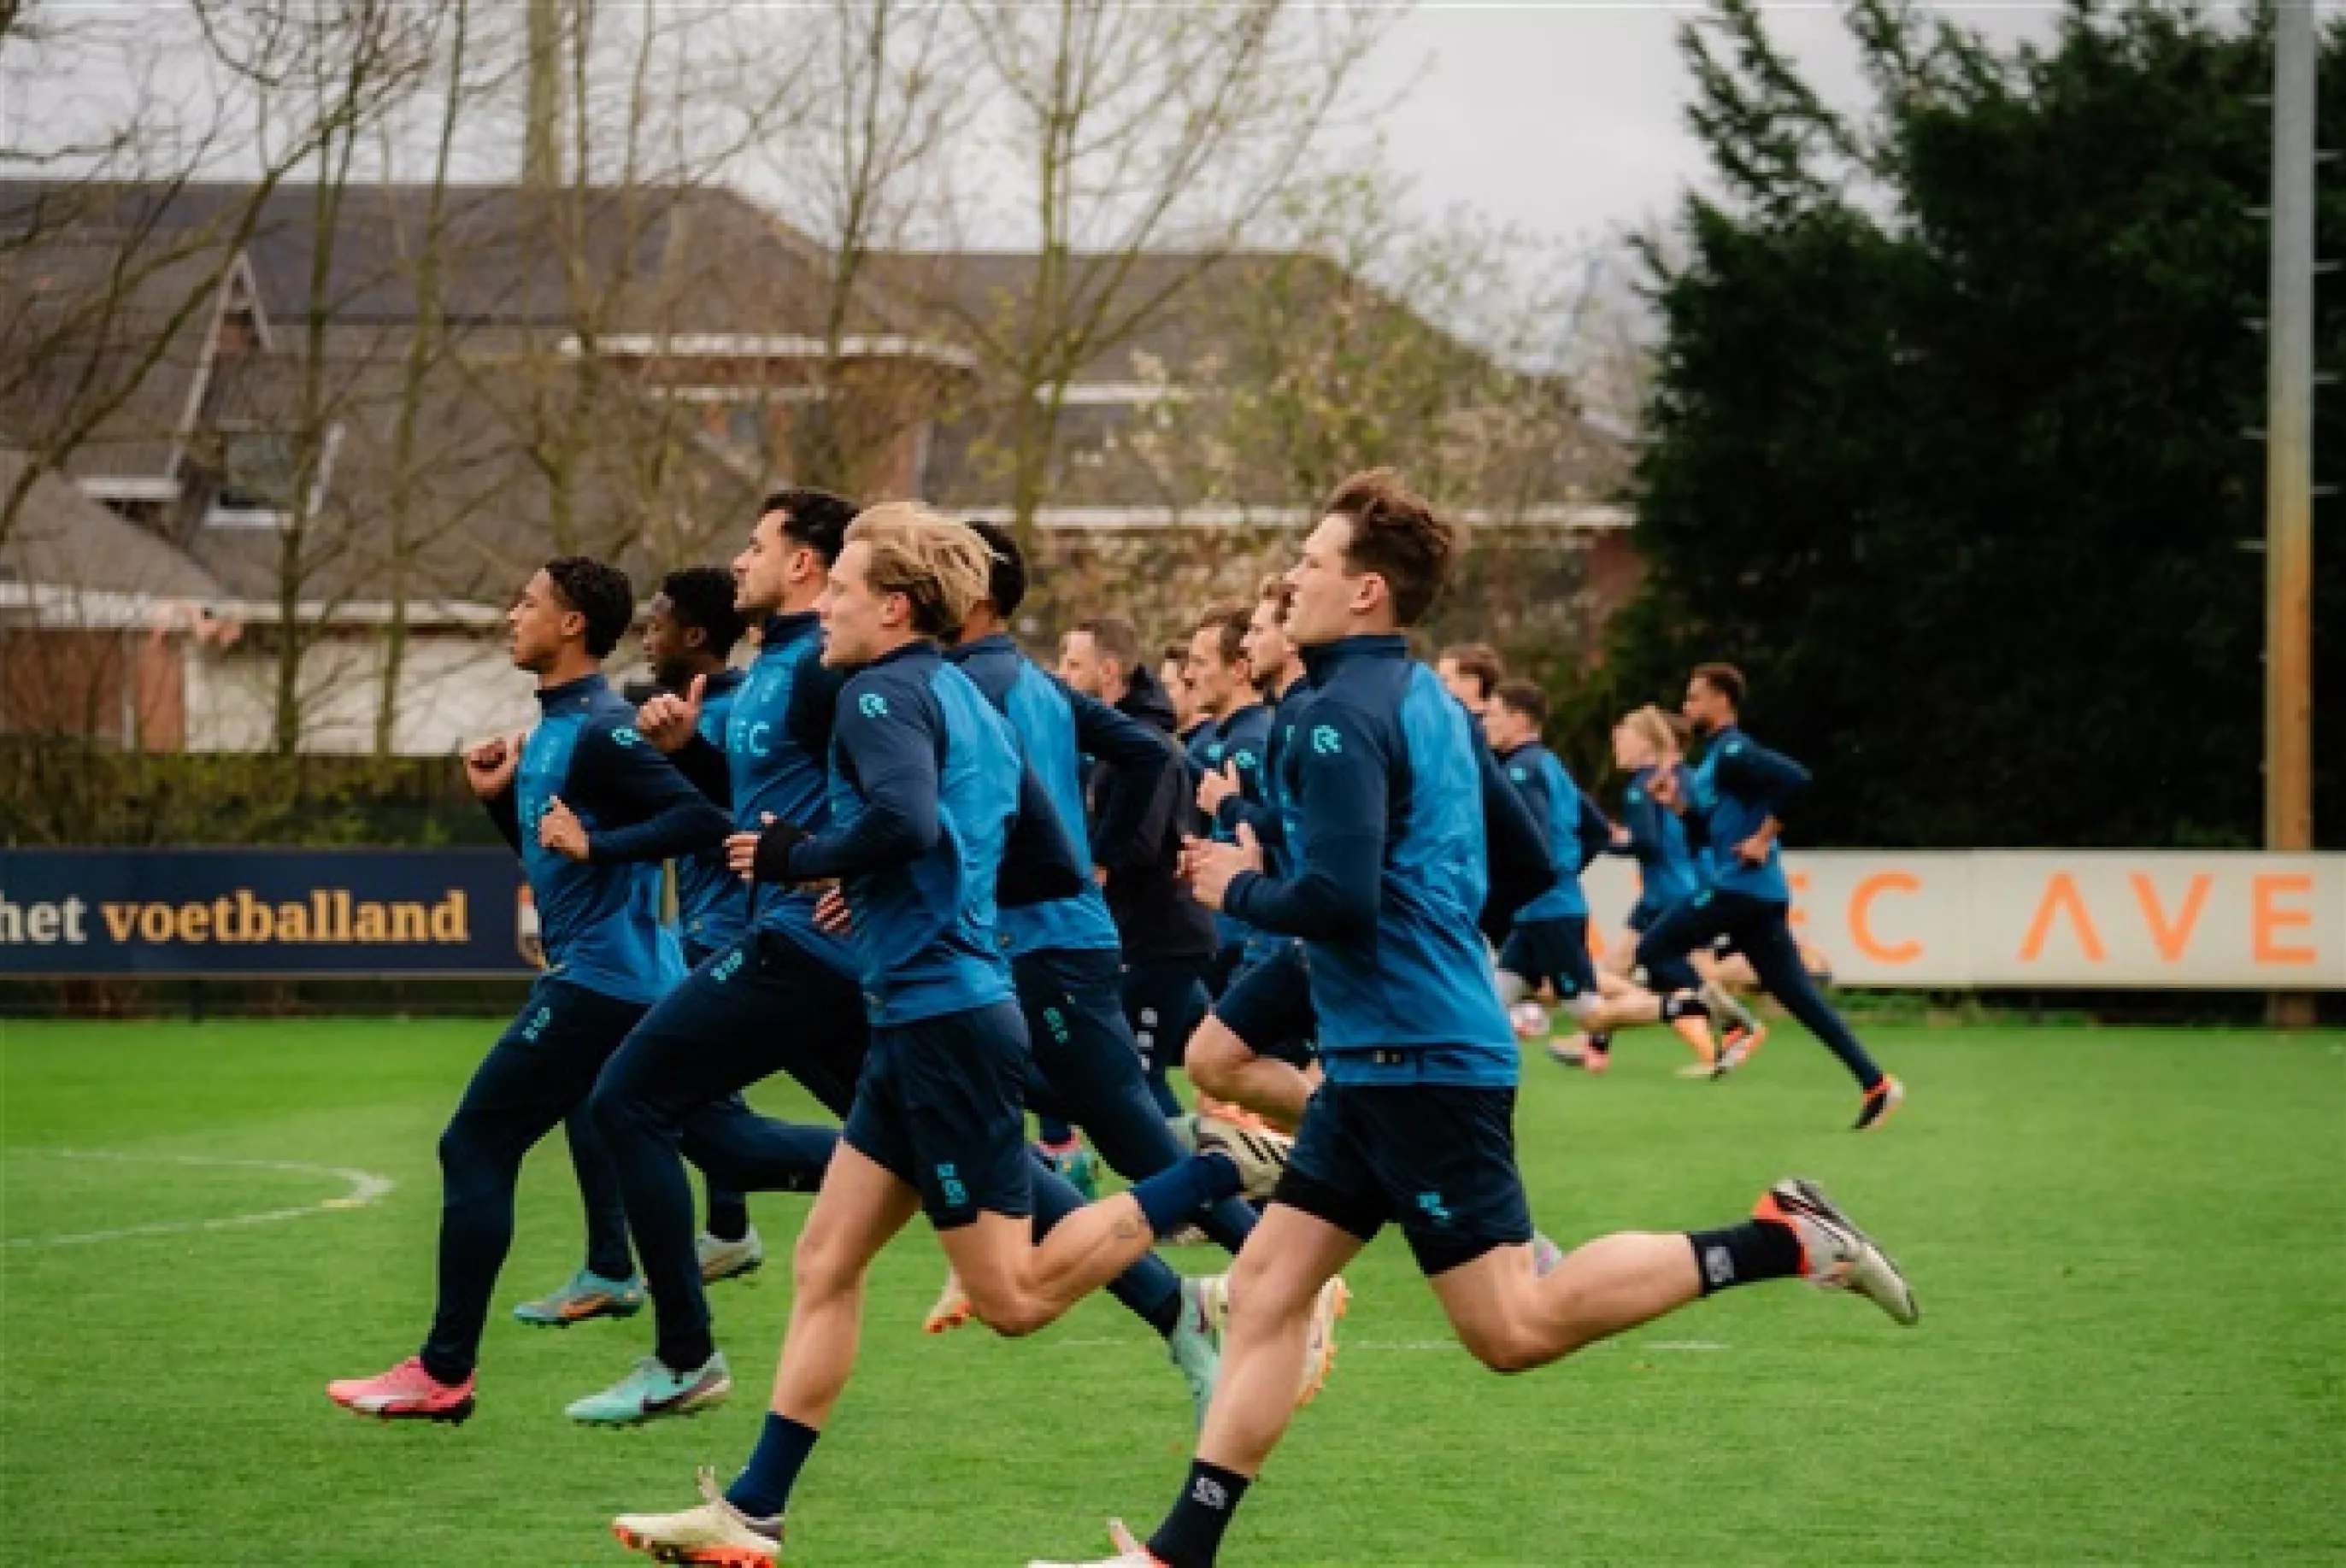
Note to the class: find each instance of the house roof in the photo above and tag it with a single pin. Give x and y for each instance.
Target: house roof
(64, 540)
(666, 258)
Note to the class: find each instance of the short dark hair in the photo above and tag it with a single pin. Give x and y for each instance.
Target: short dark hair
(1398, 535)
(1229, 624)
(1723, 678)
(1178, 652)
(1480, 660)
(1525, 697)
(1114, 638)
(1277, 590)
(600, 592)
(703, 597)
(815, 518)
(1005, 580)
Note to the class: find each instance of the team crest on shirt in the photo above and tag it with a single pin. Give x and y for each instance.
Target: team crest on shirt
(1325, 740)
(1517, 774)
(626, 735)
(871, 705)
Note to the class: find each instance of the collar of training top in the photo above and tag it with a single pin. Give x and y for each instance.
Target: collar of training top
(780, 629)
(1329, 657)
(917, 649)
(571, 693)
(992, 642)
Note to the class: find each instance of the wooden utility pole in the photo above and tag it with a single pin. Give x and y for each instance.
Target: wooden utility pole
(541, 145)
(2289, 458)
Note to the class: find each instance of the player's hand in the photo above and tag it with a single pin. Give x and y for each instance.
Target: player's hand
(670, 721)
(1753, 850)
(560, 829)
(489, 767)
(1099, 876)
(831, 913)
(1620, 836)
(1210, 868)
(1217, 786)
(741, 852)
(1667, 788)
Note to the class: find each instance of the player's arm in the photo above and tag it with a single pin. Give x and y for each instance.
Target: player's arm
(1593, 833)
(702, 763)
(1514, 841)
(1342, 784)
(1132, 759)
(1038, 857)
(814, 709)
(654, 810)
(1531, 787)
(888, 736)
(1269, 828)
(1767, 779)
(1158, 800)
(490, 769)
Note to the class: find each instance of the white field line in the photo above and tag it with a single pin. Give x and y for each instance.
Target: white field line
(363, 1188)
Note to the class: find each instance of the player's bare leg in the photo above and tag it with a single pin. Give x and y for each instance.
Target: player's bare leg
(1223, 1065)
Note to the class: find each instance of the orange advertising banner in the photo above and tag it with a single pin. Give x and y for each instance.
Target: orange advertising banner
(2154, 919)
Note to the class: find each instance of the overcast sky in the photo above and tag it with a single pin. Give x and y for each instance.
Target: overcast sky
(1568, 118)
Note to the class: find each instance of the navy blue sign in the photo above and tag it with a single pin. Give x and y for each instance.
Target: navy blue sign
(263, 911)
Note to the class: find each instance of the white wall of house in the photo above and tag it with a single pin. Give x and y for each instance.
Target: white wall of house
(455, 689)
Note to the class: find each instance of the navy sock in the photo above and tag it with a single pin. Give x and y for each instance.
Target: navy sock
(1192, 1533)
(1744, 1254)
(762, 1490)
(1168, 1198)
(728, 1215)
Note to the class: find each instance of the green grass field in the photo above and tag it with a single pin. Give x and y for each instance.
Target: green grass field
(2128, 1244)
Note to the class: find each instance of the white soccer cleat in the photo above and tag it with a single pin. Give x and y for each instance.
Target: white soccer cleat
(1335, 1300)
(722, 1259)
(952, 1310)
(1129, 1553)
(1259, 1154)
(715, 1534)
(1328, 1310)
(1835, 1255)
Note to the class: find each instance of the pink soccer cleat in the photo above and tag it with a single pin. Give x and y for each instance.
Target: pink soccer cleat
(406, 1392)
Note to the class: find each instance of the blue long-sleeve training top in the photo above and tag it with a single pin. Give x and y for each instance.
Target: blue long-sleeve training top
(925, 782)
(1238, 742)
(711, 902)
(1738, 784)
(1387, 832)
(600, 917)
(1057, 727)
(1667, 873)
(1575, 828)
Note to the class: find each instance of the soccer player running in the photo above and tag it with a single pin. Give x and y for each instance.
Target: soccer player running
(1234, 735)
(1646, 747)
(1415, 1122)
(1167, 936)
(591, 810)
(1255, 1050)
(1549, 943)
(689, 631)
(1065, 958)
(1732, 804)
(925, 781)
(780, 997)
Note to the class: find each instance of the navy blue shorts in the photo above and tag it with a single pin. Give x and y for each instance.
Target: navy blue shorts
(1439, 1161)
(1642, 914)
(1269, 1006)
(941, 1106)
(1555, 951)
